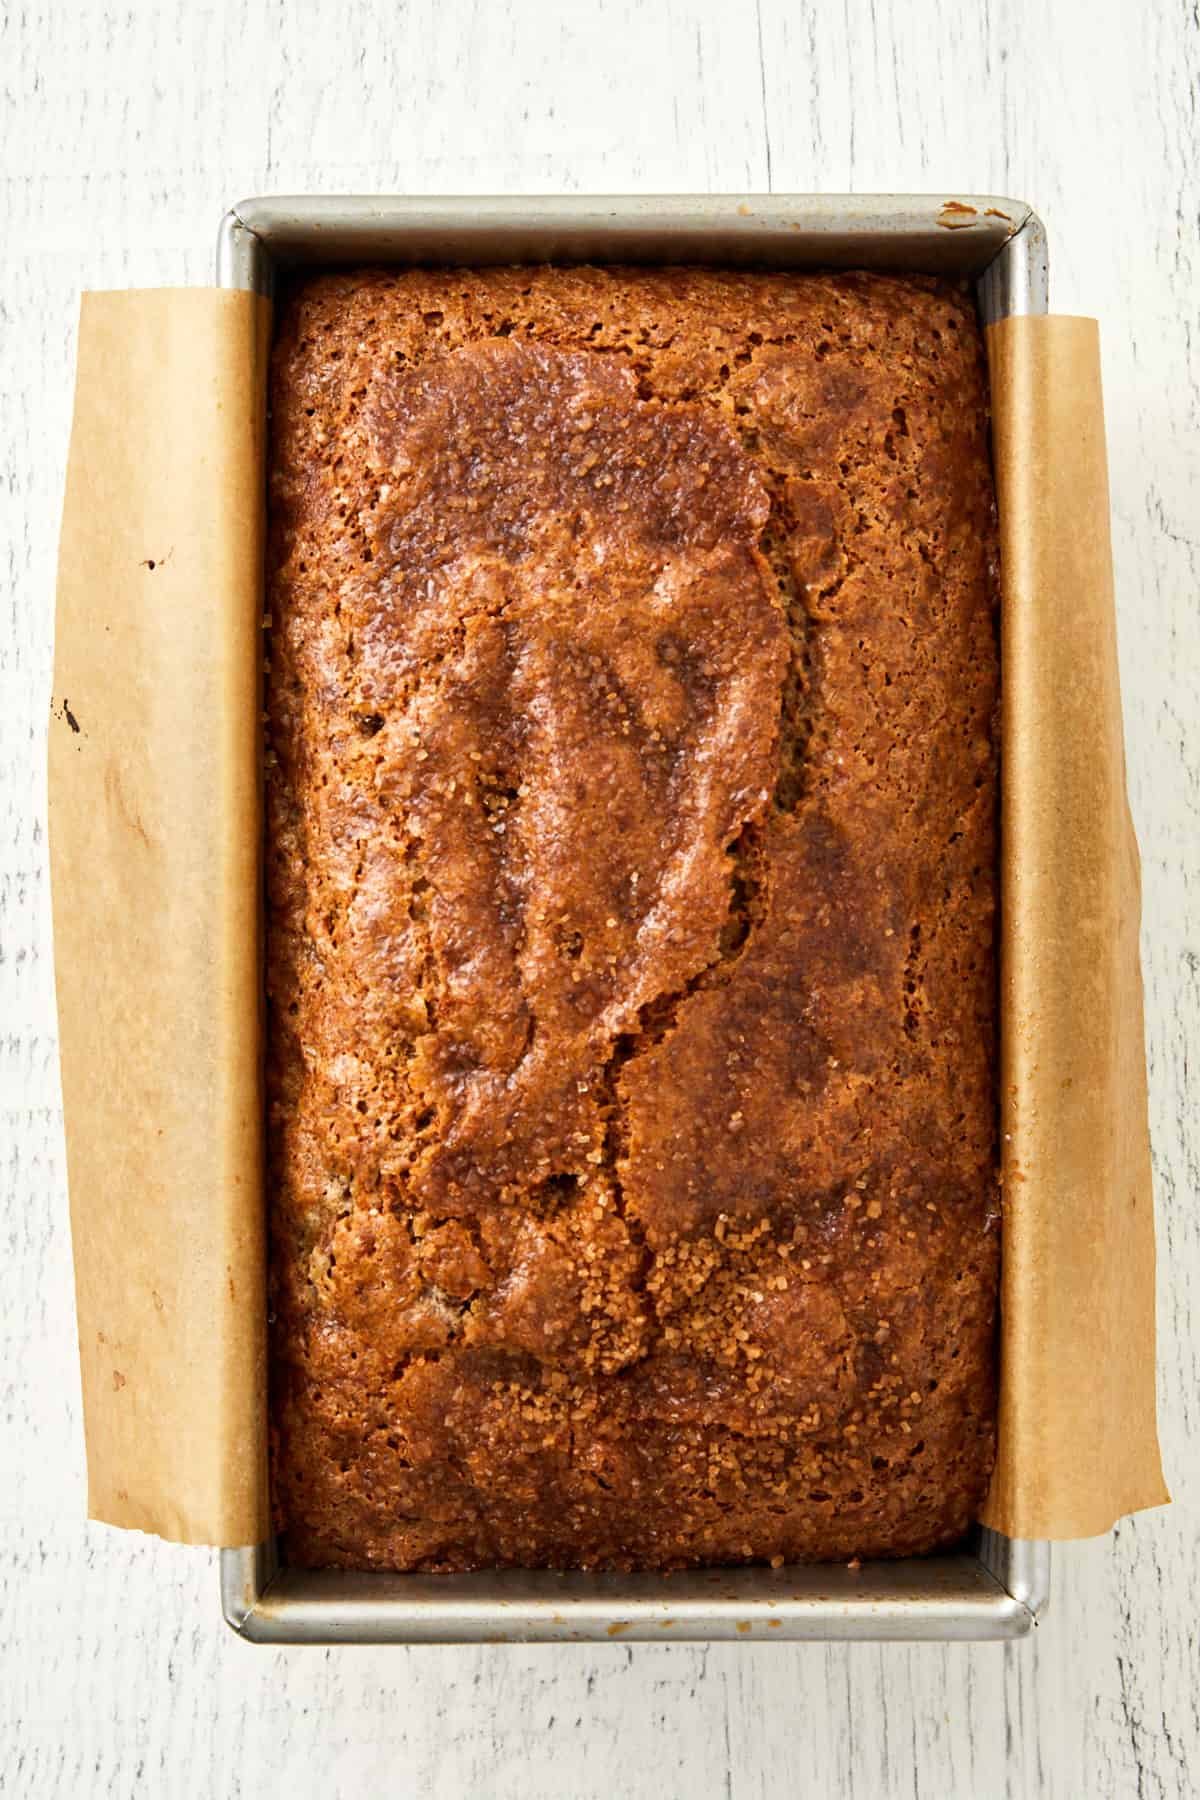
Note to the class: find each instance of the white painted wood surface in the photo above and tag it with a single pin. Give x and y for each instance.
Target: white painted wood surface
(126, 128)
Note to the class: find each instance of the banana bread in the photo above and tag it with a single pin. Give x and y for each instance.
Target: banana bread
(631, 870)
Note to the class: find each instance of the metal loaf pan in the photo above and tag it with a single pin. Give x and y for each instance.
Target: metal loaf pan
(994, 1587)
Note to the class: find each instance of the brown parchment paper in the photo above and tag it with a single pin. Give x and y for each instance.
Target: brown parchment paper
(155, 824)
(1078, 1440)
(154, 835)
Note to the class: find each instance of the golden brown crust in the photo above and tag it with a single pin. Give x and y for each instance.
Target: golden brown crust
(631, 864)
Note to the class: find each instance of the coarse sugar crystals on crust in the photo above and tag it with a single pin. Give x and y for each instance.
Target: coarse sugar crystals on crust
(631, 865)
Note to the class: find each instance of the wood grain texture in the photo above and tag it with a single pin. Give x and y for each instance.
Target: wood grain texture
(127, 129)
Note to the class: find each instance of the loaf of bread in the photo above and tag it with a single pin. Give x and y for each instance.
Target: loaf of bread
(631, 868)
